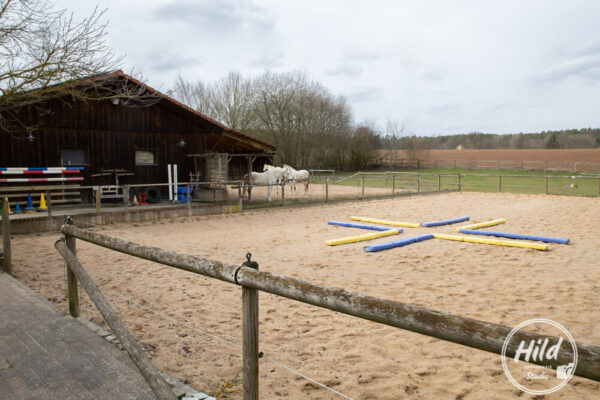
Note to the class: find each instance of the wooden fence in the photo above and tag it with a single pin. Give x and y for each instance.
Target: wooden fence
(465, 331)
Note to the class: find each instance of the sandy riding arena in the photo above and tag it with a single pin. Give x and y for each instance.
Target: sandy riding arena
(358, 358)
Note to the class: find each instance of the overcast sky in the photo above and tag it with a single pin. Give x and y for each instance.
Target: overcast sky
(436, 67)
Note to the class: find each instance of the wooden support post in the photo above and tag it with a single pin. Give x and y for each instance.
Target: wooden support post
(240, 200)
(282, 193)
(418, 183)
(545, 166)
(126, 199)
(393, 184)
(546, 185)
(362, 197)
(326, 190)
(6, 238)
(72, 286)
(98, 199)
(497, 164)
(459, 183)
(250, 160)
(500, 183)
(148, 371)
(439, 183)
(188, 200)
(49, 203)
(250, 339)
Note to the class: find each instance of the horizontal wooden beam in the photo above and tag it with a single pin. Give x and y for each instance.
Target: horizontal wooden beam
(462, 330)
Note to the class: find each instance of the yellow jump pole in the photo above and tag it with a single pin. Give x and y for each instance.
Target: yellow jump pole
(386, 222)
(361, 238)
(497, 242)
(483, 224)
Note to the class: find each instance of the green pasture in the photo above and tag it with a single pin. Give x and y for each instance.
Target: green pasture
(431, 180)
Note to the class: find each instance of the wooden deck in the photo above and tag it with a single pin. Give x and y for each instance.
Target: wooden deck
(48, 355)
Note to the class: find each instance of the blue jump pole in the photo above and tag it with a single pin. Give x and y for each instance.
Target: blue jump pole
(516, 236)
(362, 226)
(445, 222)
(397, 243)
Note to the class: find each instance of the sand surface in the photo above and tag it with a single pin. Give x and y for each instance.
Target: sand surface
(361, 359)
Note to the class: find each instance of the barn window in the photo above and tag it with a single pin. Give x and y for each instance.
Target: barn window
(73, 157)
(145, 157)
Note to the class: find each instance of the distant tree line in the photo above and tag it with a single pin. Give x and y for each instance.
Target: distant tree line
(564, 139)
(309, 125)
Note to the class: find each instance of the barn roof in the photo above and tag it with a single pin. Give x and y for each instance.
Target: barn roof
(226, 141)
(220, 140)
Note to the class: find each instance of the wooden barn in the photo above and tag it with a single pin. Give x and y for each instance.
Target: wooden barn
(136, 132)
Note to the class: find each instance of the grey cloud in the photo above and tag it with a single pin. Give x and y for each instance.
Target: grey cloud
(360, 57)
(501, 106)
(218, 15)
(270, 61)
(586, 67)
(444, 108)
(432, 75)
(172, 62)
(365, 95)
(351, 70)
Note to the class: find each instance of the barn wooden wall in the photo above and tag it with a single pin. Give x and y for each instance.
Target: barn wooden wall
(110, 134)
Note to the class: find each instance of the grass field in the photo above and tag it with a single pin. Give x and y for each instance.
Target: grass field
(427, 180)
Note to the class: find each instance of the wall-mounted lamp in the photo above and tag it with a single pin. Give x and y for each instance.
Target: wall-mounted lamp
(30, 138)
(116, 101)
(181, 143)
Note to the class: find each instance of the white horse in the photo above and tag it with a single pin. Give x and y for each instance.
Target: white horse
(270, 178)
(301, 176)
(268, 167)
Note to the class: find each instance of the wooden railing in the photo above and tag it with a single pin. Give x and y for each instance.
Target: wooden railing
(462, 330)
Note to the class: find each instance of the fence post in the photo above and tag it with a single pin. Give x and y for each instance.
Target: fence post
(126, 197)
(250, 338)
(98, 198)
(546, 185)
(326, 190)
(72, 287)
(439, 183)
(188, 200)
(574, 168)
(362, 197)
(418, 183)
(393, 184)
(459, 184)
(282, 193)
(545, 166)
(500, 183)
(598, 187)
(49, 203)
(6, 238)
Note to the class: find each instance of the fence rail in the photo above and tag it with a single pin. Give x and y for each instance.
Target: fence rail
(469, 332)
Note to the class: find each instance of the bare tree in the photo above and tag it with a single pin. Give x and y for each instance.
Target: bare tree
(232, 101)
(193, 94)
(45, 54)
